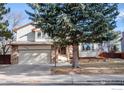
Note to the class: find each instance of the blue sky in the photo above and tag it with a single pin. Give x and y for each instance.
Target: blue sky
(21, 7)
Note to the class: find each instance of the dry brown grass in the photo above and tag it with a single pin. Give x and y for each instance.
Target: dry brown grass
(91, 68)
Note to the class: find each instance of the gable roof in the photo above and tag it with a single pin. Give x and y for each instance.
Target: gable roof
(36, 29)
(16, 29)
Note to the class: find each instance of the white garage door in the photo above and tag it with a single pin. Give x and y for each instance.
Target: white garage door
(34, 56)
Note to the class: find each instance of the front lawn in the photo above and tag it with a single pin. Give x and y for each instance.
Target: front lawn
(91, 68)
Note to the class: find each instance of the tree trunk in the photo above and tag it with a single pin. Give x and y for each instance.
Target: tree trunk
(75, 60)
(67, 53)
(56, 55)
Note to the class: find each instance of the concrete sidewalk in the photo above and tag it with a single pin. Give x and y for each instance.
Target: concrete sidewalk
(63, 80)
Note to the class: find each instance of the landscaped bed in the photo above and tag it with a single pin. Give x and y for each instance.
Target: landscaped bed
(91, 68)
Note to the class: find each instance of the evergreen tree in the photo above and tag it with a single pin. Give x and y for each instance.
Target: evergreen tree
(71, 24)
(5, 34)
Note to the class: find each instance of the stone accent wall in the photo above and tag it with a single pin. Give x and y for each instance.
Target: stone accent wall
(14, 54)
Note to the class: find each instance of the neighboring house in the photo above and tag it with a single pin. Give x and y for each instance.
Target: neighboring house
(32, 46)
(92, 49)
(88, 49)
(122, 43)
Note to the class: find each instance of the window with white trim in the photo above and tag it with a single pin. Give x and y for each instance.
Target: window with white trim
(39, 35)
(87, 46)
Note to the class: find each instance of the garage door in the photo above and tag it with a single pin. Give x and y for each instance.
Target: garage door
(34, 56)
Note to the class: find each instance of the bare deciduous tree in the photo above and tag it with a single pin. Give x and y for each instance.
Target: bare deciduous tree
(15, 19)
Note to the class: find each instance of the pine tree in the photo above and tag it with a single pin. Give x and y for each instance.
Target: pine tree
(71, 24)
(5, 34)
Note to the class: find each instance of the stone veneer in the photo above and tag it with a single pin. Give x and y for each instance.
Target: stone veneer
(14, 54)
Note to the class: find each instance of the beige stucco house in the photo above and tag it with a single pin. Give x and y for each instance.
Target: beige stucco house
(32, 46)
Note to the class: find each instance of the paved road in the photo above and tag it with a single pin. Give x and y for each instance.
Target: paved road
(41, 75)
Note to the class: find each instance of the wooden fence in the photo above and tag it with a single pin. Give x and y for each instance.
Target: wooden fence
(112, 55)
(5, 59)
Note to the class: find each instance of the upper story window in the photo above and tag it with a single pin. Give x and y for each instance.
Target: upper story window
(39, 35)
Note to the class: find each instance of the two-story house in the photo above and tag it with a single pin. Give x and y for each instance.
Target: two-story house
(31, 46)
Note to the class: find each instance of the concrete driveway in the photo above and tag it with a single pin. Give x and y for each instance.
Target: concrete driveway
(41, 75)
(27, 70)
(31, 75)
